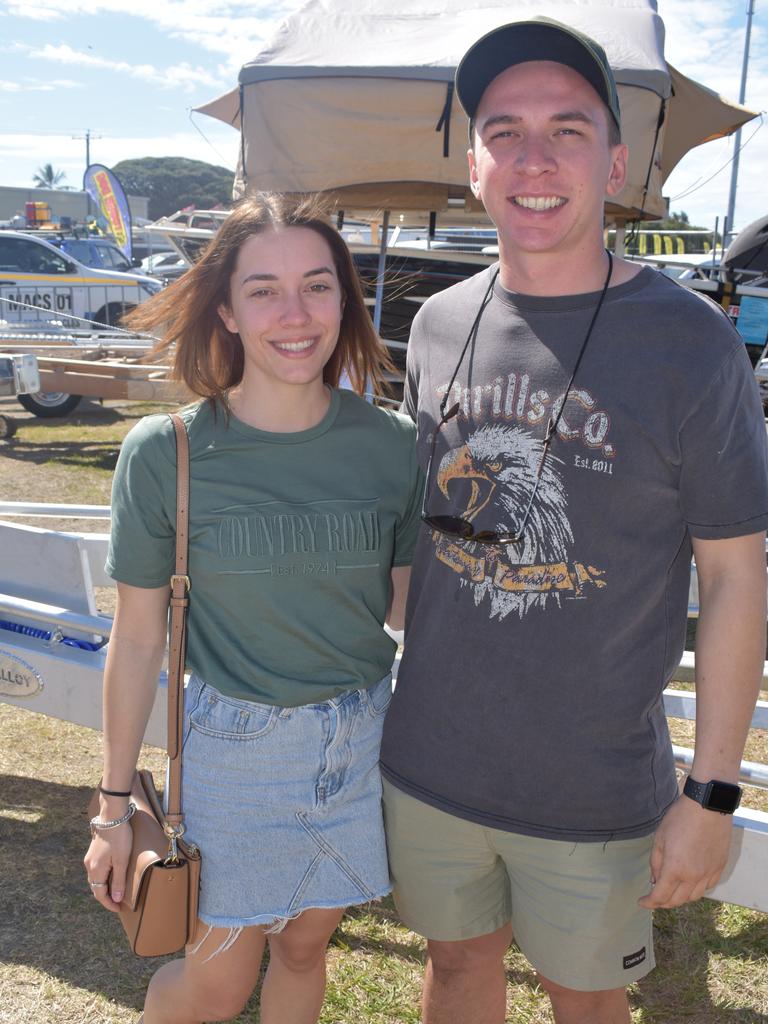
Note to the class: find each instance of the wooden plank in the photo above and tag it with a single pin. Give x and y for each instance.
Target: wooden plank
(97, 386)
(103, 367)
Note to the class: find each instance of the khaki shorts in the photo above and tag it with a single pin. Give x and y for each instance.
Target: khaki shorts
(573, 906)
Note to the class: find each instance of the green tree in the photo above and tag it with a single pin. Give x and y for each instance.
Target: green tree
(675, 221)
(47, 177)
(171, 183)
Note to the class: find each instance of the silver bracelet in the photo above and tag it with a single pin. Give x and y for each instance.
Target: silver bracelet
(97, 825)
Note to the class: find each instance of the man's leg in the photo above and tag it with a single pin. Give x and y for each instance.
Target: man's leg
(465, 981)
(576, 919)
(451, 886)
(608, 1006)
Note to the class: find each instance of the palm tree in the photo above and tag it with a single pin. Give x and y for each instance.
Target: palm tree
(47, 177)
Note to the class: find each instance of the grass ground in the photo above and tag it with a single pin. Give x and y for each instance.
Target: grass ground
(63, 959)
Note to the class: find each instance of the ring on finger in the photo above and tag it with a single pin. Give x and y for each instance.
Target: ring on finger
(97, 885)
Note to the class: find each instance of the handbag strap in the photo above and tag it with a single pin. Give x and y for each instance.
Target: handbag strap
(179, 602)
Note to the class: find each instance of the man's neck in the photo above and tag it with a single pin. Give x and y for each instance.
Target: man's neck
(557, 274)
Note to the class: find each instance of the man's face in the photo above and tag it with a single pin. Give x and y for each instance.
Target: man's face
(542, 163)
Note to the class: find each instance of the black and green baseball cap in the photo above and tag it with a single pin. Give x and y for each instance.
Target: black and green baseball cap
(538, 39)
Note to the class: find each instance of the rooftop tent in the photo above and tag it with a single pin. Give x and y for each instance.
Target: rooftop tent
(355, 97)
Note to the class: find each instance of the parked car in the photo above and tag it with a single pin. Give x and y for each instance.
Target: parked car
(165, 265)
(44, 287)
(94, 251)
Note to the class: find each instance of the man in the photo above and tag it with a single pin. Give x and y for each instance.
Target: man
(585, 425)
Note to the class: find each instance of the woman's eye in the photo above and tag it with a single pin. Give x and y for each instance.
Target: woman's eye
(319, 286)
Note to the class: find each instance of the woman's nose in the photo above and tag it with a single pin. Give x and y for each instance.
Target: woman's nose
(294, 310)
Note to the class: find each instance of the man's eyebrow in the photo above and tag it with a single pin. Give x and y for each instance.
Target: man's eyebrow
(562, 116)
(573, 115)
(273, 277)
(497, 119)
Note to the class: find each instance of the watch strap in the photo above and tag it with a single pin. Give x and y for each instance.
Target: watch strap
(695, 790)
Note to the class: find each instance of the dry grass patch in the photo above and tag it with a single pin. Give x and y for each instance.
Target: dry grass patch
(63, 959)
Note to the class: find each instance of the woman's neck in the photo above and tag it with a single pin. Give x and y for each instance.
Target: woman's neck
(280, 410)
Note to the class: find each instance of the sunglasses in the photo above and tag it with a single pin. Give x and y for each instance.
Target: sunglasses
(461, 528)
(457, 526)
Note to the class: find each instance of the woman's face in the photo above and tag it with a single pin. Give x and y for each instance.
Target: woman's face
(286, 304)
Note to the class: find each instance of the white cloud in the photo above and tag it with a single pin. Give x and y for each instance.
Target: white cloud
(182, 75)
(35, 12)
(37, 85)
(228, 27)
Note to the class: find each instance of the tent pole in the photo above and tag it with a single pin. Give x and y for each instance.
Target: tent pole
(380, 272)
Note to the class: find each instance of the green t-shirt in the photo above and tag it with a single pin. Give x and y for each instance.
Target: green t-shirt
(291, 541)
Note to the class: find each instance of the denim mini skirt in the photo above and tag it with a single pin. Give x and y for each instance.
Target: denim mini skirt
(284, 804)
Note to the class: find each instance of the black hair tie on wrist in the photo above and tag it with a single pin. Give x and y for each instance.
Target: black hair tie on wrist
(112, 792)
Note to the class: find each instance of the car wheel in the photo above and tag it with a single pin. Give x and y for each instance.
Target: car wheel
(7, 427)
(48, 404)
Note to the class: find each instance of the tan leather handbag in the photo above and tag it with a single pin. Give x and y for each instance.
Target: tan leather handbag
(159, 909)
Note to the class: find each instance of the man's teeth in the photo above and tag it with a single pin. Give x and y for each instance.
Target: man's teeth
(295, 346)
(539, 202)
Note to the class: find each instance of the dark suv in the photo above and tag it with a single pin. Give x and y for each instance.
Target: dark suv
(93, 251)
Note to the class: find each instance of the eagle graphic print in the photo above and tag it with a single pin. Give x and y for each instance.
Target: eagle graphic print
(489, 478)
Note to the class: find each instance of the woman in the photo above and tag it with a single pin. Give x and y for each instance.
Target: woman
(304, 510)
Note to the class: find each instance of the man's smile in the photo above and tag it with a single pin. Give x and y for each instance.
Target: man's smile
(539, 202)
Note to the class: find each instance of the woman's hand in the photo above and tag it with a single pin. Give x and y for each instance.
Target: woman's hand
(106, 863)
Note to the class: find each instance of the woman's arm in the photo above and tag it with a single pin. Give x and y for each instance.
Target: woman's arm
(398, 592)
(134, 658)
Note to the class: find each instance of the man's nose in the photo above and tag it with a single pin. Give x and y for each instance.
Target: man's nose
(535, 156)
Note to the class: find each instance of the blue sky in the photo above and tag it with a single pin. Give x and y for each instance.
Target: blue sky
(130, 70)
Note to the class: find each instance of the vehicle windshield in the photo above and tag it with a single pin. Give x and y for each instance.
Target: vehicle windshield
(95, 254)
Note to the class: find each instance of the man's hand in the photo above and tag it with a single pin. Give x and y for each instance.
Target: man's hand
(689, 853)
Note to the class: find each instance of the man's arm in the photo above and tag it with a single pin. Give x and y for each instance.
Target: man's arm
(692, 843)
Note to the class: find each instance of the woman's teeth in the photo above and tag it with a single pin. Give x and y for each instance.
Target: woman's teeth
(294, 346)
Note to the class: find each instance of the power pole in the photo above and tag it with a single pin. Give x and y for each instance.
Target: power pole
(728, 227)
(87, 138)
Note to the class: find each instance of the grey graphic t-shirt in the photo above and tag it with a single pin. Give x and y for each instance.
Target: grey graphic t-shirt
(530, 693)
(292, 540)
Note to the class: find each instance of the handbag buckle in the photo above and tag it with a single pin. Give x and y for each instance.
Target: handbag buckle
(179, 577)
(174, 833)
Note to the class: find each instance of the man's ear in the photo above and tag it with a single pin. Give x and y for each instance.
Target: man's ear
(474, 184)
(617, 177)
(228, 320)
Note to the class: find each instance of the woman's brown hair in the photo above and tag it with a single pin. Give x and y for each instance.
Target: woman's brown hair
(208, 357)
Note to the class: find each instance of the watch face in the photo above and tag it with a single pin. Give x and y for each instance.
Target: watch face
(723, 797)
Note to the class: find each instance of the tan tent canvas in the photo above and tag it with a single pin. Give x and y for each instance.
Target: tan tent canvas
(355, 97)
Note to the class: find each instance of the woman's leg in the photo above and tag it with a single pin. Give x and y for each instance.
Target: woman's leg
(294, 986)
(212, 983)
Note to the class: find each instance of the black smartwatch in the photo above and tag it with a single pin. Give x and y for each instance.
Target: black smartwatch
(723, 797)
